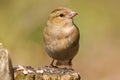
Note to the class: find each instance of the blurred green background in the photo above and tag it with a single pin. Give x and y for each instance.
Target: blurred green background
(21, 32)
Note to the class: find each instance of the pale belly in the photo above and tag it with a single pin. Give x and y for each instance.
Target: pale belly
(62, 49)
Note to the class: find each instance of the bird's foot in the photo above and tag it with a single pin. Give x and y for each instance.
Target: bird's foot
(53, 66)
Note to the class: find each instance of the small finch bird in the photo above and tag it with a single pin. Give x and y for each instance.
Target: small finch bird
(61, 37)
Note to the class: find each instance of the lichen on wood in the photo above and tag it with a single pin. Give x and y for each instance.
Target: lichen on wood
(45, 73)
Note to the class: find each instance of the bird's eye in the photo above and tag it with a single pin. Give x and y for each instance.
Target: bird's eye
(61, 15)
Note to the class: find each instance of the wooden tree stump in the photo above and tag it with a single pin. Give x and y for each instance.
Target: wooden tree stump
(30, 73)
(44, 73)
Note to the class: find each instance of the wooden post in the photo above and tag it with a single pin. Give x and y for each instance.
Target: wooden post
(6, 69)
(44, 73)
(30, 73)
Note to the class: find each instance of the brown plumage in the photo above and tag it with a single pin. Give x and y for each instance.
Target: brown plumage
(61, 36)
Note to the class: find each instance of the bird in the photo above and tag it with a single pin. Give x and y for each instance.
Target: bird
(61, 37)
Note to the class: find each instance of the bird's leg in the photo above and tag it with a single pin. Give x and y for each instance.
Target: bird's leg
(70, 64)
(52, 64)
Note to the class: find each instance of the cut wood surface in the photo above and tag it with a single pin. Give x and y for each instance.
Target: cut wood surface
(44, 73)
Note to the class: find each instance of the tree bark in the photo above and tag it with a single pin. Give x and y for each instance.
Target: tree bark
(6, 69)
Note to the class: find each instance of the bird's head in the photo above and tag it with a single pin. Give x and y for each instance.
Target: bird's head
(61, 16)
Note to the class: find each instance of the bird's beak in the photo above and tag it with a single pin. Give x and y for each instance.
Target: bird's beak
(72, 14)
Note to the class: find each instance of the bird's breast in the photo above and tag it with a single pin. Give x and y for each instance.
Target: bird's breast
(60, 39)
